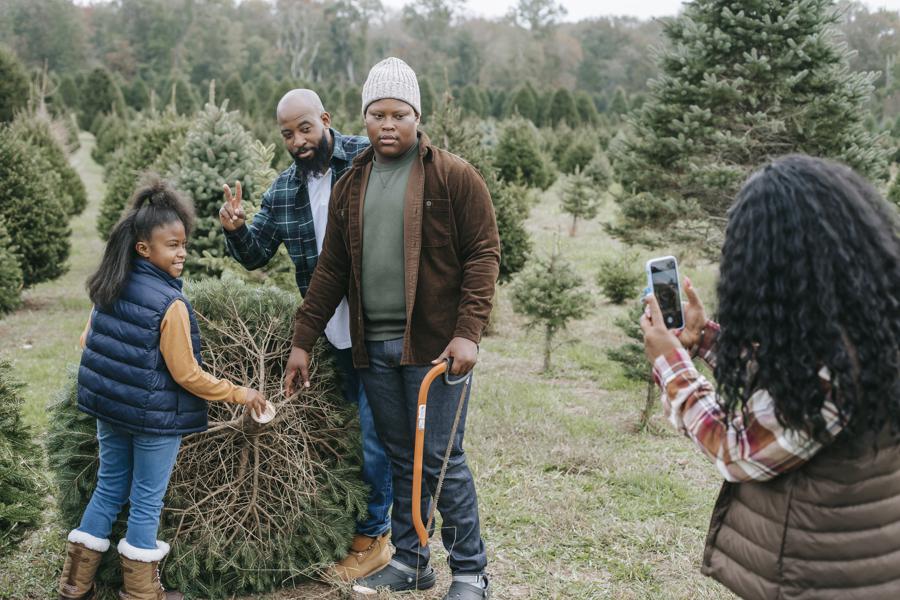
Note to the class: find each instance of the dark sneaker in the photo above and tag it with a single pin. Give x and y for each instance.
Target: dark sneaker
(396, 577)
(465, 587)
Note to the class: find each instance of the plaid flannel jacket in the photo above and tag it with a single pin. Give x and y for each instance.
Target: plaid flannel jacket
(749, 446)
(285, 217)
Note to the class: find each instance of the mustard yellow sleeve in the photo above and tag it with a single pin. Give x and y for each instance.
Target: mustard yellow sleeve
(177, 350)
(87, 328)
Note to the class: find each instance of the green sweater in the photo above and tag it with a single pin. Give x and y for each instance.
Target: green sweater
(383, 291)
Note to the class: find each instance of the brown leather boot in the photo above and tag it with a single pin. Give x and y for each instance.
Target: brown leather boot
(367, 555)
(83, 554)
(140, 573)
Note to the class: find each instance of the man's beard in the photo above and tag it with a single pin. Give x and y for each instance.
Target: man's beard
(317, 163)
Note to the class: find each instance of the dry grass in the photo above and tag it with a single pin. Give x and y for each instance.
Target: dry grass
(574, 504)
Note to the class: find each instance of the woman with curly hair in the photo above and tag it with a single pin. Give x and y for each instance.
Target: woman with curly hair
(804, 419)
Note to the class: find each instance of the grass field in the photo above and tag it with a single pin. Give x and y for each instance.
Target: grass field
(575, 505)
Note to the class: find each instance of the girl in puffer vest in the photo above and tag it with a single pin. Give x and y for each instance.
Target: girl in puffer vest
(141, 376)
(804, 418)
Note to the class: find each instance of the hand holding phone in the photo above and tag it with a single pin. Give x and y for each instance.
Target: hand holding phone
(665, 283)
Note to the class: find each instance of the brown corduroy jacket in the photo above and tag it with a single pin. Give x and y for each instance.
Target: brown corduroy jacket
(451, 255)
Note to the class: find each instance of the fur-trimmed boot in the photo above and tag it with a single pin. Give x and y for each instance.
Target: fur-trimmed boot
(140, 573)
(83, 554)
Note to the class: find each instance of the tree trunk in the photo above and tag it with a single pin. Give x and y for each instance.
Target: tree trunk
(548, 344)
(574, 225)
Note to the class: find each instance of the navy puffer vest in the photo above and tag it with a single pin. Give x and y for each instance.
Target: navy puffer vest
(123, 378)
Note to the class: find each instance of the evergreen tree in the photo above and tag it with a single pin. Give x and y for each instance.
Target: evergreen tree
(563, 109)
(14, 86)
(264, 86)
(217, 149)
(21, 480)
(518, 157)
(587, 110)
(111, 132)
(599, 170)
(499, 99)
(427, 98)
(100, 95)
(35, 218)
(523, 102)
(181, 96)
(353, 102)
(620, 278)
(471, 102)
(39, 132)
(576, 153)
(580, 198)
(139, 95)
(149, 148)
(512, 202)
(550, 294)
(68, 97)
(619, 103)
(10, 273)
(234, 92)
(741, 83)
(633, 360)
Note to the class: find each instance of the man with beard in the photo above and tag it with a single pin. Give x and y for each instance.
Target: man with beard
(412, 242)
(294, 212)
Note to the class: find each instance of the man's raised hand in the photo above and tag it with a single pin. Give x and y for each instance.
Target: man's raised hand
(232, 213)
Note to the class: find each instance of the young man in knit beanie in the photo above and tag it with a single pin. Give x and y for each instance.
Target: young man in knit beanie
(420, 293)
(294, 212)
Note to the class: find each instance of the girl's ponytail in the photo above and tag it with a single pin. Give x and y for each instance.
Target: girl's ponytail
(154, 203)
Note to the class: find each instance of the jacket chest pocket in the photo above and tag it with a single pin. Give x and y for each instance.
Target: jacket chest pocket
(435, 222)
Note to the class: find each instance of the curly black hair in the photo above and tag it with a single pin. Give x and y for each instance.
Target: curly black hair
(810, 277)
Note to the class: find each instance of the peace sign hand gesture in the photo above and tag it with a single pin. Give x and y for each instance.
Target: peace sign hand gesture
(232, 214)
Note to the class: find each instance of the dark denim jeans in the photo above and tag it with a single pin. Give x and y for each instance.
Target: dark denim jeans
(393, 393)
(376, 466)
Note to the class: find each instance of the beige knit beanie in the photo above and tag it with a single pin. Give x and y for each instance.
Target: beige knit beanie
(391, 78)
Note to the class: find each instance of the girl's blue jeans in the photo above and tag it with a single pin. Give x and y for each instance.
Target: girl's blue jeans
(134, 468)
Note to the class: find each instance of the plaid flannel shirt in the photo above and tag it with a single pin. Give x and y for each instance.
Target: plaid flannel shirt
(749, 446)
(285, 217)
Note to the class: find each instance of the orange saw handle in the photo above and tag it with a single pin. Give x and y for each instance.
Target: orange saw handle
(419, 449)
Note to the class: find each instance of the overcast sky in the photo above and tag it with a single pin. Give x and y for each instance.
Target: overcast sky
(582, 9)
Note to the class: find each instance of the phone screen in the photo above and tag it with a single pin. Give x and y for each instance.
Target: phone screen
(664, 277)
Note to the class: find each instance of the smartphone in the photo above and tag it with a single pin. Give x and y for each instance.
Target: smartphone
(665, 282)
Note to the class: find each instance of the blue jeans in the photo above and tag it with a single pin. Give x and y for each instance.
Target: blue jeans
(393, 393)
(134, 468)
(376, 471)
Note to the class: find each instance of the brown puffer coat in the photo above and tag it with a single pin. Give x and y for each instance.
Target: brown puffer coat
(827, 531)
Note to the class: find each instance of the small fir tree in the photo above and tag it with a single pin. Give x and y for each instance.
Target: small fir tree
(740, 83)
(511, 201)
(234, 92)
(524, 103)
(587, 110)
(139, 95)
(22, 483)
(36, 219)
(100, 95)
(427, 98)
(562, 109)
(154, 140)
(14, 86)
(216, 149)
(576, 152)
(620, 278)
(518, 156)
(633, 360)
(10, 273)
(580, 198)
(39, 131)
(551, 295)
(619, 103)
